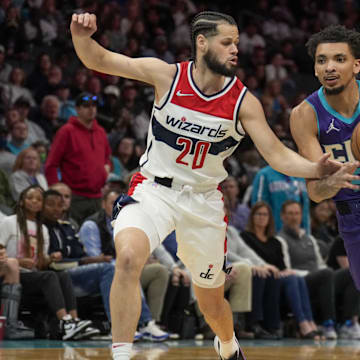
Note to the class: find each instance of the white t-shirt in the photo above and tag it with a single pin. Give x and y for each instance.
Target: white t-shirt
(13, 239)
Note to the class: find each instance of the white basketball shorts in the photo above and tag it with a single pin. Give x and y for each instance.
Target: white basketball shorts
(197, 217)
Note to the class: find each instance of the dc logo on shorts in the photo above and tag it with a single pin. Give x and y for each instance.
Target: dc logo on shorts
(207, 275)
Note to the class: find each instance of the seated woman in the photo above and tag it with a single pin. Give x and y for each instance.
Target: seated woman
(260, 236)
(27, 239)
(26, 172)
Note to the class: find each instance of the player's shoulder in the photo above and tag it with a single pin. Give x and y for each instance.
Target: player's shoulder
(304, 109)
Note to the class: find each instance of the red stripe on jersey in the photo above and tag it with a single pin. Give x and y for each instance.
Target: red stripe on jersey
(222, 106)
(136, 179)
(226, 219)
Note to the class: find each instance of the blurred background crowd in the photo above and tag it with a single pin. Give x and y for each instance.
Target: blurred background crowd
(52, 146)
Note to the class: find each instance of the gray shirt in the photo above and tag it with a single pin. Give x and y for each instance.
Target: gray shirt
(301, 251)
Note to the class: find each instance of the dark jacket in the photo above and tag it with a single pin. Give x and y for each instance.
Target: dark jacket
(107, 243)
(64, 239)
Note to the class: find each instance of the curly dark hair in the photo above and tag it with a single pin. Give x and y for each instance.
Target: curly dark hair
(335, 34)
(206, 23)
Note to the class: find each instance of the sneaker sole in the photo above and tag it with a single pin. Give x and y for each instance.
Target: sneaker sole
(84, 325)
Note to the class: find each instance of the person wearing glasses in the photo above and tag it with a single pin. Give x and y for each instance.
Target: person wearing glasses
(80, 158)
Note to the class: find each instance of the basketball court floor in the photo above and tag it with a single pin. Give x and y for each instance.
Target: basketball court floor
(289, 349)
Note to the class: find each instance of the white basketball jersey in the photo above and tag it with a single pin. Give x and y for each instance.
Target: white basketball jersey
(191, 134)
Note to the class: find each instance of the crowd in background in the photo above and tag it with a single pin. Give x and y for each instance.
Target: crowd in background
(50, 145)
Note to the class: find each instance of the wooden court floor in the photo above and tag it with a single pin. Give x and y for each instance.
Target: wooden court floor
(308, 351)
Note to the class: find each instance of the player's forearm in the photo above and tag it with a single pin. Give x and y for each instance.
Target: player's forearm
(291, 163)
(319, 190)
(89, 52)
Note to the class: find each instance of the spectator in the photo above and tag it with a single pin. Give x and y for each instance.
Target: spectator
(66, 194)
(302, 254)
(79, 82)
(27, 239)
(7, 203)
(35, 132)
(124, 159)
(250, 38)
(324, 225)
(42, 149)
(7, 159)
(260, 236)
(38, 78)
(15, 89)
(275, 188)
(10, 298)
(160, 50)
(238, 212)
(276, 69)
(84, 163)
(26, 172)
(94, 273)
(54, 78)
(48, 117)
(273, 95)
(18, 135)
(5, 67)
(67, 106)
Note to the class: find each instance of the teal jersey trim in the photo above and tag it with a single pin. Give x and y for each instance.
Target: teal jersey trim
(335, 113)
(317, 118)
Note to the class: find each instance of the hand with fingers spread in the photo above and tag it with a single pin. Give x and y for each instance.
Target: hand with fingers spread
(83, 25)
(326, 166)
(344, 176)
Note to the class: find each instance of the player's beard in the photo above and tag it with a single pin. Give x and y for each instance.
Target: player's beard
(216, 66)
(335, 91)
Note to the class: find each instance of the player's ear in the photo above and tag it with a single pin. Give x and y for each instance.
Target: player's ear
(202, 43)
(356, 66)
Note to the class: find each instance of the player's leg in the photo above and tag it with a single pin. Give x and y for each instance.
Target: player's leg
(216, 310)
(132, 249)
(218, 315)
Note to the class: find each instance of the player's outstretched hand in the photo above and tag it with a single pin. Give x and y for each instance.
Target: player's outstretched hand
(344, 176)
(83, 25)
(326, 166)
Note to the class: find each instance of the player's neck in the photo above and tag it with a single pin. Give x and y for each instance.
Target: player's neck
(346, 102)
(207, 81)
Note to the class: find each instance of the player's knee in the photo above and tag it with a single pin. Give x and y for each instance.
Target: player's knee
(127, 262)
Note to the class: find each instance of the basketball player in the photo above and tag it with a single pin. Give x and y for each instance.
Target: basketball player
(325, 121)
(200, 114)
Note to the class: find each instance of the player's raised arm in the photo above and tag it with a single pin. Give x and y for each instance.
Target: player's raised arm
(279, 157)
(150, 70)
(303, 126)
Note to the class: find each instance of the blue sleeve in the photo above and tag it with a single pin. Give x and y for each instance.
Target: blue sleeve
(89, 235)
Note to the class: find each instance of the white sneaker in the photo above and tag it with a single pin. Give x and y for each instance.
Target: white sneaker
(70, 328)
(87, 333)
(329, 332)
(239, 355)
(152, 332)
(138, 336)
(350, 332)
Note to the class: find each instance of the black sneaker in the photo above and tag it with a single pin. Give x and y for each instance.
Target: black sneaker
(239, 355)
(86, 333)
(70, 328)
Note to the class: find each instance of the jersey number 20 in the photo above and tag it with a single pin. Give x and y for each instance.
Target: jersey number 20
(200, 152)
